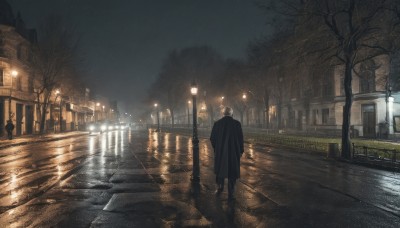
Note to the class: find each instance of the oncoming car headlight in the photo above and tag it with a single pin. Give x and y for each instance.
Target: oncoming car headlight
(103, 127)
(92, 127)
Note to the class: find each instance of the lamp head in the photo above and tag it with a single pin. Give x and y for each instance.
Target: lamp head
(14, 73)
(193, 89)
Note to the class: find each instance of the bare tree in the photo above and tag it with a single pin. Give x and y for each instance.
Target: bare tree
(236, 84)
(52, 60)
(266, 58)
(180, 68)
(344, 32)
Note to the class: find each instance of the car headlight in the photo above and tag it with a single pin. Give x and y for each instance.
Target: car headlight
(116, 127)
(110, 127)
(91, 128)
(103, 127)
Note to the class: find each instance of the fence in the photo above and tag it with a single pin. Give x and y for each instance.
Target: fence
(376, 156)
(361, 154)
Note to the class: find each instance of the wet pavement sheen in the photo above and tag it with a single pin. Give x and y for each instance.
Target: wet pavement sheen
(142, 179)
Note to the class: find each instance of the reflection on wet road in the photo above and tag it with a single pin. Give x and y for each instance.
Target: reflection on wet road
(96, 180)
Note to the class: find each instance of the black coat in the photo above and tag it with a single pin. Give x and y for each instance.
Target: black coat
(227, 141)
(9, 126)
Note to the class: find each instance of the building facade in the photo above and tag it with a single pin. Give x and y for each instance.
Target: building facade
(18, 100)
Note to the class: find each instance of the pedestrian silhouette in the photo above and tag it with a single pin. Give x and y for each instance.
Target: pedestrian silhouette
(9, 128)
(227, 140)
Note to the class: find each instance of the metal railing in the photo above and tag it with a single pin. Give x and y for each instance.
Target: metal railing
(388, 158)
(385, 157)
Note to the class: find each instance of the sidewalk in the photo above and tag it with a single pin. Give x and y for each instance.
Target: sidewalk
(28, 139)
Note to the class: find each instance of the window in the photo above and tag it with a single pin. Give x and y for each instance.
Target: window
(18, 82)
(30, 84)
(295, 89)
(1, 77)
(327, 91)
(317, 76)
(325, 115)
(342, 85)
(315, 117)
(367, 77)
(19, 51)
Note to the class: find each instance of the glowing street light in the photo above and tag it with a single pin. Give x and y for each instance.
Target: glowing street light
(195, 141)
(14, 73)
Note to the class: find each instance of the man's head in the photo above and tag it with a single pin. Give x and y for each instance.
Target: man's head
(228, 111)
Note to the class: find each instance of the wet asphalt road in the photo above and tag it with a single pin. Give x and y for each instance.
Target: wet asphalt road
(142, 179)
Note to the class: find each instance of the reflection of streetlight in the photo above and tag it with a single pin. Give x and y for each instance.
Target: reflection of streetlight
(195, 141)
(158, 117)
(14, 74)
(188, 113)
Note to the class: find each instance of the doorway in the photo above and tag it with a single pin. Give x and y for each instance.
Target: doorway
(29, 119)
(19, 119)
(369, 120)
(300, 120)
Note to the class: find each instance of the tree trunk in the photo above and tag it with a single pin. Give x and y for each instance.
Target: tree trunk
(43, 119)
(346, 143)
(266, 111)
(172, 118)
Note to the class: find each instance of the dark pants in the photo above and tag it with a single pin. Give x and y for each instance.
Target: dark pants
(231, 184)
(9, 134)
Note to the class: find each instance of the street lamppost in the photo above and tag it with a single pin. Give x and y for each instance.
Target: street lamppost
(14, 74)
(188, 113)
(102, 113)
(96, 114)
(221, 106)
(59, 115)
(195, 141)
(280, 101)
(158, 117)
(244, 96)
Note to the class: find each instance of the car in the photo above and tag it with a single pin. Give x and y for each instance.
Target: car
(122, 126)
(97, 127)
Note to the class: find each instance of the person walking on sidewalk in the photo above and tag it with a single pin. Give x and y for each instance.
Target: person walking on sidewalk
(9, 128)
(227, 140)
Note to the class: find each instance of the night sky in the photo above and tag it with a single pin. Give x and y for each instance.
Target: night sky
(125, 41)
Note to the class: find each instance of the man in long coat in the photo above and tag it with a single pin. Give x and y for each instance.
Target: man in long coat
(9, 128)
(227, 141)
